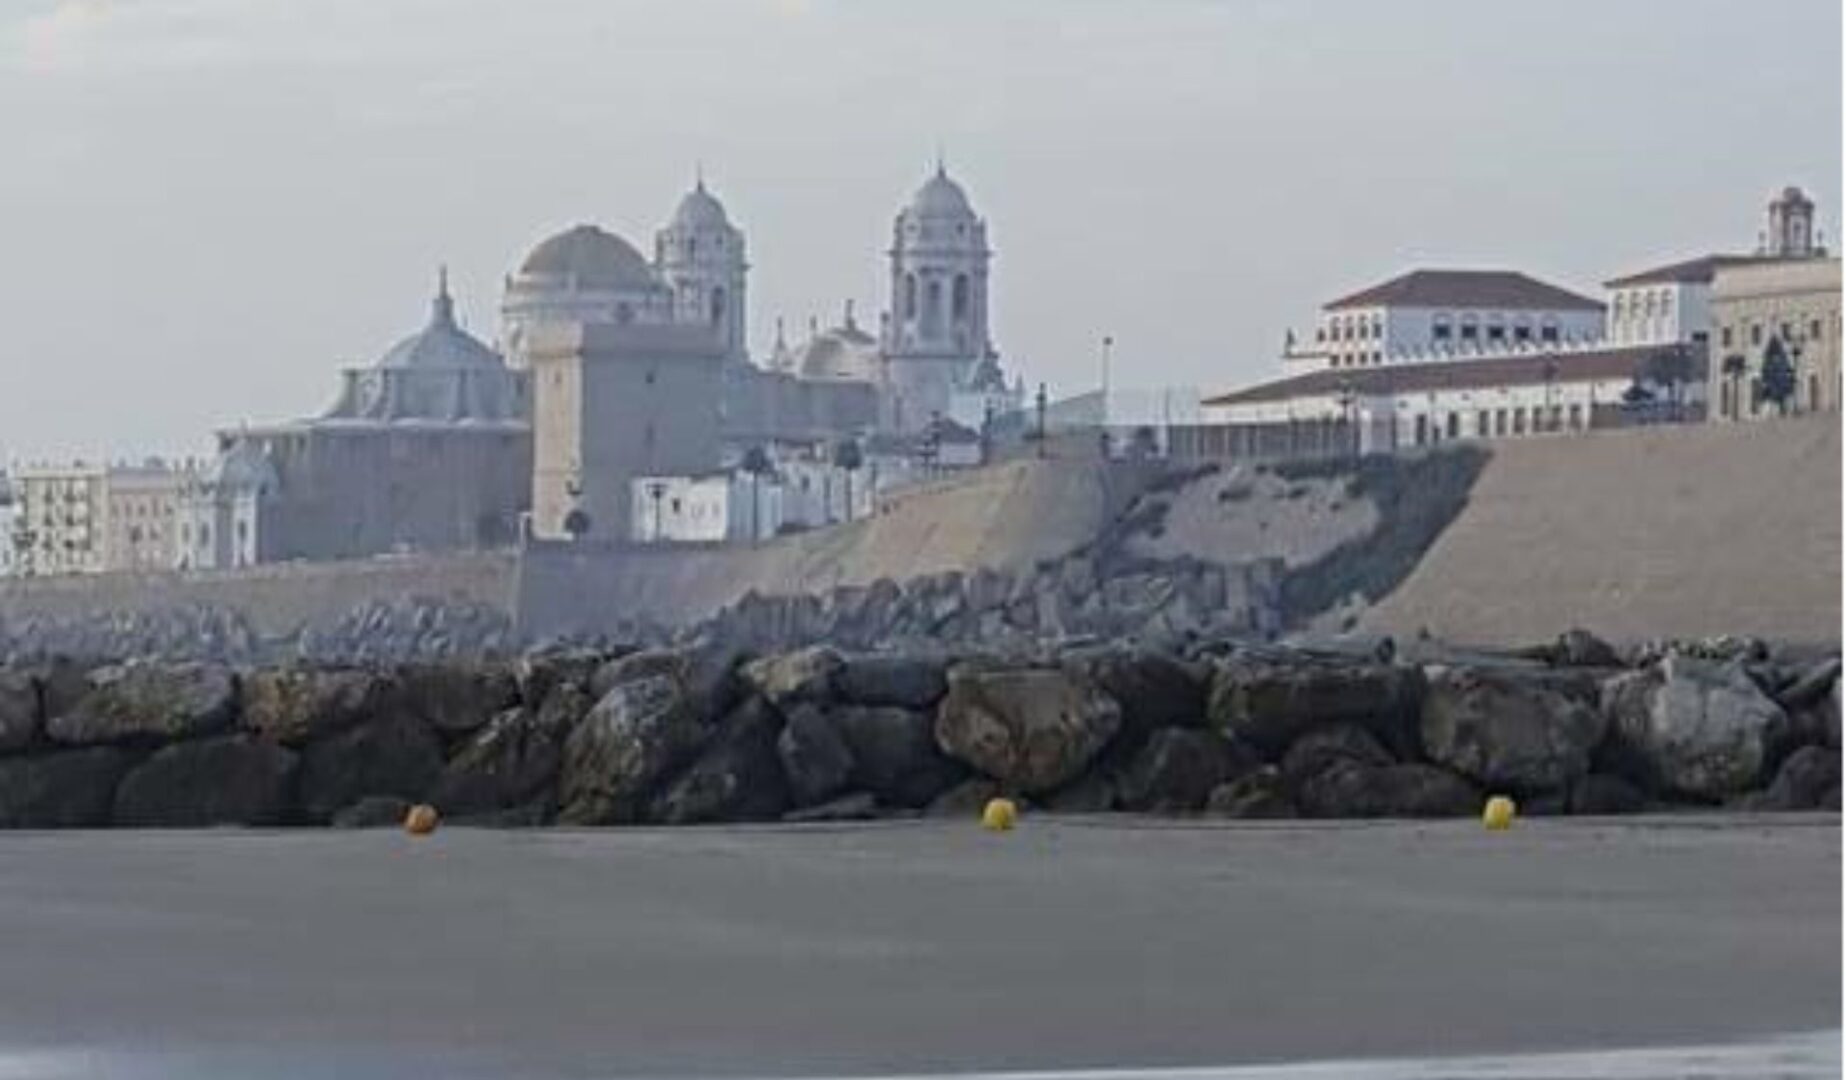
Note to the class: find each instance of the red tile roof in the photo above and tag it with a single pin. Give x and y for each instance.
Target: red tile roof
(1524, 370)
(1697, 271)
(1467, 289)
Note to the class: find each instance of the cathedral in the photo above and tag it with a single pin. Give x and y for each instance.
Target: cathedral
(640, 368)
(612, 368)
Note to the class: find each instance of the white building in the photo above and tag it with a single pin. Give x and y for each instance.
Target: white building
(79, 518)
(9, 518)
(1432, 314)
(1405, 405)
(716, 507)
(226, 510)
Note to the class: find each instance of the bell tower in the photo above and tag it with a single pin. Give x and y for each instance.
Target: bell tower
(700, 254)
(935, 331)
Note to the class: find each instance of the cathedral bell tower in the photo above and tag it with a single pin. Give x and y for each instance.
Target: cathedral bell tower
(700, 255)
(1791, 225)
(935, 333)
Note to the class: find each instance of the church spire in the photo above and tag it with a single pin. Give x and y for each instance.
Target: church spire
(442, 309)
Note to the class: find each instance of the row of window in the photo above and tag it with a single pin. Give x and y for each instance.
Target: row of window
(1816, 331)
(1498, 423)
(1645, 305)
(1496, 332)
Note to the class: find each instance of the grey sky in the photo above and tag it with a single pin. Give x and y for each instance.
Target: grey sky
(208, 206)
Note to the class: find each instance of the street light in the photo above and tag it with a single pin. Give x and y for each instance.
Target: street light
(655, 490)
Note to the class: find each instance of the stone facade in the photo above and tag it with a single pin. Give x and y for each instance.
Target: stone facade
(90, 518)
(1788, 304)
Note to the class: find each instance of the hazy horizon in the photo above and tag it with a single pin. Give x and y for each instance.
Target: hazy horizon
(213, 205)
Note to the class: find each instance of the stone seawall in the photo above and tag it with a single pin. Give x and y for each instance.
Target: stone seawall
(711, 733)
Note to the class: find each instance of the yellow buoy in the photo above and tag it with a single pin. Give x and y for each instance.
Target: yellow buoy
(1498, 814)
(999, 815)
(421, 820)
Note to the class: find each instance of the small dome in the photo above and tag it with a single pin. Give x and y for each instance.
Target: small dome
(242, 466)
(940, 197)
(441, 344)
(593, 258)
(700, 209)
(844, 352)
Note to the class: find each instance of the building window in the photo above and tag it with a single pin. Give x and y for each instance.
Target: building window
(1441, 331)
(1814, 330)
(1496, 332)
(1522, 333)
(1454, 431)
(1576, 417)
(1483, 424)
(1548, 333)
(1519, 421)
(1469, 331)
(1724, 336)
(1422, 429)
(910, 296)
(1756, 333)
(959, 298)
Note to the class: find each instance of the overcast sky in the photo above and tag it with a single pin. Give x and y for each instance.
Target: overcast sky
(207, 207)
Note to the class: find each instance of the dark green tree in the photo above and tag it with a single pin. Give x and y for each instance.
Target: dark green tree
(756, 462)
(849, 458)
(1778, 377)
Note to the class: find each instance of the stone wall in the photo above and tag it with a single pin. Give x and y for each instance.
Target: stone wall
(708, 732)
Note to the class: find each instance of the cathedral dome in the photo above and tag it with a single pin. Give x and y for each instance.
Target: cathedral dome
(441, 343)
(700, 209)
(940, 197)
(592, 258)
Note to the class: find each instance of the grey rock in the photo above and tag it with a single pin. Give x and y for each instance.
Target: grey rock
(1803, 780)
(1577, 647)
(737, 778)
(1335, 744)
(632, 739)
(814, 756)
(1267, 702)
(67, 789)
(457, 699)
(229, 780)
(511, 762)
(1411, 790)
(894, 754)
(1177, 770)
(149, 701)
(1259, 794)
(1154, 689)
(291, 705)
(395, 756)
(788, 678)
(1506, 732)
(1696, 727)
(1604, 794)
(19, 715)
(1032, 729)
(905, 681)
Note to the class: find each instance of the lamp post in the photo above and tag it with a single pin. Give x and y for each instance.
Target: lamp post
(1040, 401)
(655, 490)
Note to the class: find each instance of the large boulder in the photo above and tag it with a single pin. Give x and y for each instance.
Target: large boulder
(903, 681)
(1177, 769)
(737, 778)
(1410, 790)
(1032, 729)
(1802, 783)
(814, 756)
(1266, 701)
(894, 754)
(805, 675)
(1326, 747)
(1691, 726)
(228, 780)
(1259, 794)
(632, 739)
(511, 762)
(68, 789)
(1506, 732)
(457, 697)
(293, 705)
(19, 718)
(149, 702)
(1155, 689)
(394, 756)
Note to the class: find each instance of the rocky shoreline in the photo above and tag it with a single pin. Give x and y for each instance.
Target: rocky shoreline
(710, 733)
